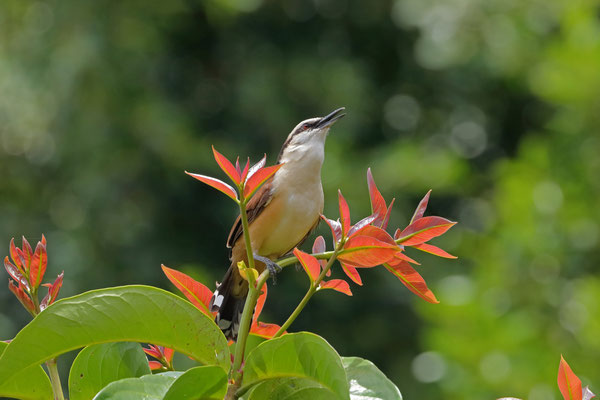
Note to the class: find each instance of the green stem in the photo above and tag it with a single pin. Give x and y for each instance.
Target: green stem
(311, 290)
(244, 218)
(55, 379)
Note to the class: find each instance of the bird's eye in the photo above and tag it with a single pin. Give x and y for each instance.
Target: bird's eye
(304, 127)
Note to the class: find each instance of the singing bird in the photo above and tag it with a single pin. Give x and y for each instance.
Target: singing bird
(281, 215)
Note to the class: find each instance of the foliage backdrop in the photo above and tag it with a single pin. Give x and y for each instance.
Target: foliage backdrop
(490, 103)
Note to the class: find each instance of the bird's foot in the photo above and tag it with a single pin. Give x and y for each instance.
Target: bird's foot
(272, 266)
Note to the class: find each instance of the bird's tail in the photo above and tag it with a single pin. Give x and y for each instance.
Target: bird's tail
(229, 307)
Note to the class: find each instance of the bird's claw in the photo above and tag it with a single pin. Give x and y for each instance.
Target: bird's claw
(272, 266)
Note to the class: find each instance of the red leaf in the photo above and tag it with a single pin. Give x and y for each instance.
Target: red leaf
(366, 251)
(244, 173)
(258, 178)
(421, 208)
(15, 256)
(339, 285)
(352, 273)
(195, 292)
(361, 224)
(423, 229)
(215, 183)
(21, 295)
(264, 330)
(257, 166)
(412, 280)
(26, 249)
(401, 256)
(386, 220)
(377, 233)
(309, 263)
(15, 273)
(344, 213)
(336, 229)
(568, 383)
(154, 365)
(168, 352)
(153, 351)
(227, 166)
(260, 303)
(43, 239)
(52, 291)
(378, 207)
(433, 250)
(38, 265)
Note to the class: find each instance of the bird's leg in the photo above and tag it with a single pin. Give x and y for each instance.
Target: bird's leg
(272, 266)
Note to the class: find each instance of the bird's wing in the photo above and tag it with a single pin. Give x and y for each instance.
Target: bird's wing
(254, 208)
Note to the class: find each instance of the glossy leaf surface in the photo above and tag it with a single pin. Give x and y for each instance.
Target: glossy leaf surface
(100, 364)
(199, 383)
(297, 355)
(367, 381)
(216, 183)
(423, 229)
(147, 387)
(339, 285)
(126, 313)
(29, 384)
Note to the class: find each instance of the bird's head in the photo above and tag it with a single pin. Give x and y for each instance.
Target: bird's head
(310, 134)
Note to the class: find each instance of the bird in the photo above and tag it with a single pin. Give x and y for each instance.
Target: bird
(281, 215)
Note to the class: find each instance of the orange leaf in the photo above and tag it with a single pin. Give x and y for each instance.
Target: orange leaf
(344, 213)
(378, 207)
(264, 330)
(154, 365)
(352, 273)
(412, 280)
(260, 303)
(216, 183)
(258, 178)
(366, 251)
(401, 256)
(386, 220)
(198, 294)
(15, 256)
(39, 262)
(377, 233)
(421, 208)
(433, 250)
(227, 166)
(53, 290)
(568, 383)
(339, 285)
(309, 263)
(21, 295)
(422, 230)
(15, 273)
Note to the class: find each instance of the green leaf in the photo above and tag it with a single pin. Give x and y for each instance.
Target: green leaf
(100, 364)
(128, 314)
(297, 355)
(289, 388)
(29, 384)
(367, 382)
(147, 387)
(199, 383)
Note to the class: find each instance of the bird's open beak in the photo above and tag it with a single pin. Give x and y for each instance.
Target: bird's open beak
(330, 119)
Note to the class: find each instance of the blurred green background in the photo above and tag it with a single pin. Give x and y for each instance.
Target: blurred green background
(493, 104)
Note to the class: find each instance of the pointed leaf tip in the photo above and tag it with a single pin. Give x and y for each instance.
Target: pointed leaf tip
(258, 178)
(344, 213)
(568, 383)
(420, 211)
(339, 285)
(309, 263)
(227, 166)
(378, 207)
(198, 294)
(216, 184)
